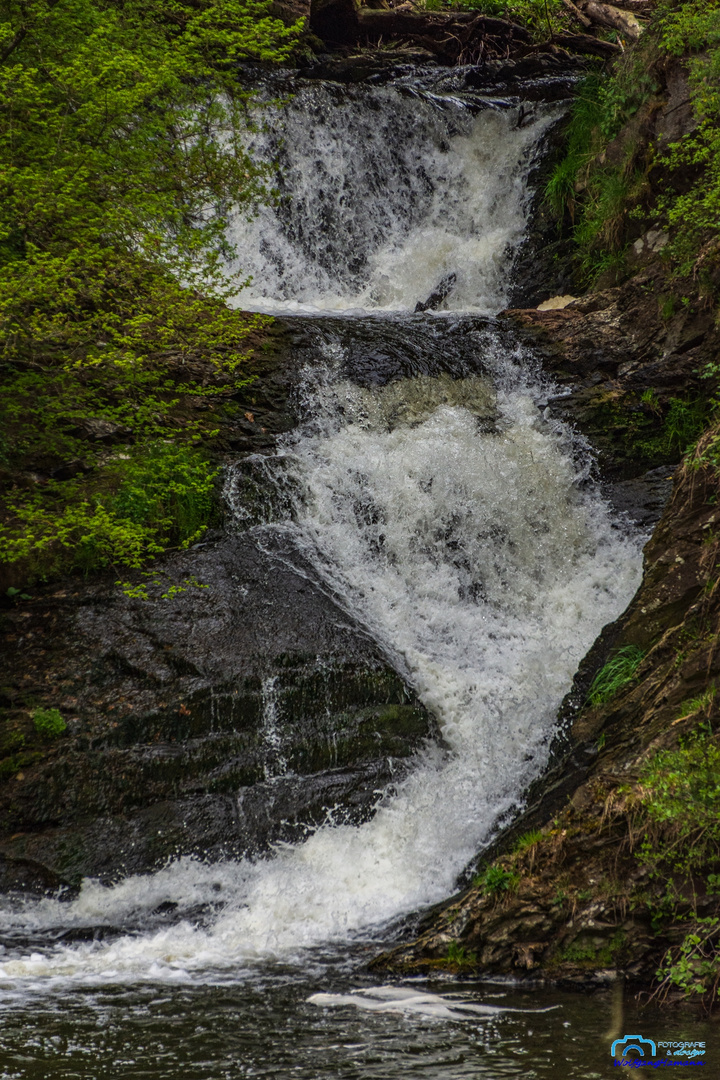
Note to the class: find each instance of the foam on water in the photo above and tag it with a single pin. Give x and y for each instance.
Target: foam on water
(408, 1001)
(383, 195)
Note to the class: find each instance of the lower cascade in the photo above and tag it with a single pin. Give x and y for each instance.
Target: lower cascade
(429, 493)
(448, 517)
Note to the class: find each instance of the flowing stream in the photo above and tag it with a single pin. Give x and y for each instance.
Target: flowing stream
(427, 489)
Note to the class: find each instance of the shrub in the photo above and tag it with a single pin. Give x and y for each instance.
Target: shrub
(693, 30)
(605, 192)
(680, 794)
(694, 966)
(122, 150)
(158, 496)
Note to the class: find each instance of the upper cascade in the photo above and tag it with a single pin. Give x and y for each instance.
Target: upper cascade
(391, 198)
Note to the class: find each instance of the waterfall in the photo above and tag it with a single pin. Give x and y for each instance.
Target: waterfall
(448, 516)
(386, 194)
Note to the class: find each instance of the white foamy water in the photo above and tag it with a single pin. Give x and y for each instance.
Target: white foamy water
(451, 524)
(384, 195)
(408, 1001)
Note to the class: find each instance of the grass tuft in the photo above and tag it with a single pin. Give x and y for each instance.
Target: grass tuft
(618, 672)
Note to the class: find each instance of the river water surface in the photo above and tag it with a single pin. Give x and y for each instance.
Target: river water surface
(455, 521)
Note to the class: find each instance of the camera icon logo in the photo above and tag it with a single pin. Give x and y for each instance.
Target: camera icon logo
(644, 1047)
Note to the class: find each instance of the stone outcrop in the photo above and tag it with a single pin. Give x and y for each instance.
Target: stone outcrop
(218, 721)
(619, 360)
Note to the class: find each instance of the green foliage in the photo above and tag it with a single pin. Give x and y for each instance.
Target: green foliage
(667, 307)
(121, 130)
(459, 955)
(582, 142)
(594, 954)
(683, 424)
(680, 800)
(49, 723)
(122, 150)
(617, 672)
(603, 178)
(597, 194)
(649, 399)
(693, 30)
(16, 594)
(700, 704)
(713, 884)
(161, 495)
(694, 967)
(541, 17)
(680, 794)
(496, 880)
(528, 840)
(139, 590)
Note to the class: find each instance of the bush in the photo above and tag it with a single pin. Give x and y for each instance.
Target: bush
(680, 794)
(693, 30)
(159, 496)
(694, 967)
(122, 150)
(603, 193)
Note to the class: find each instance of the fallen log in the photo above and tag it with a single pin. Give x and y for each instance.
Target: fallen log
(399, 23)
(584, 43)
(607, 15)
(463, 38)
(640, 7)
(577, 14)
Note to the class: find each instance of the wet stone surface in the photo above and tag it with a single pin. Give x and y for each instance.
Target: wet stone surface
(214, 722)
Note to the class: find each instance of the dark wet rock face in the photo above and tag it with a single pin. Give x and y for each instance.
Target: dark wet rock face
(619, 364)
(211, 723)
